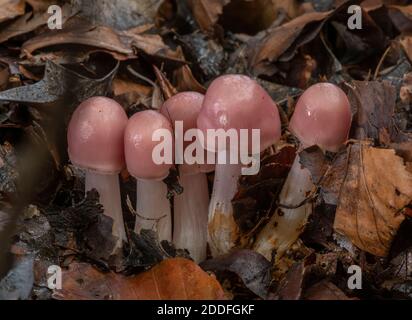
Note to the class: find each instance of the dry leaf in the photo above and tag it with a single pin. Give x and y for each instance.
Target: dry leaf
(374, 104)
(207, 12)
(325, 290)
(30, 22)
(122, 86)
(10, 9)
(171, 279)
(375, 188)
(281, 38)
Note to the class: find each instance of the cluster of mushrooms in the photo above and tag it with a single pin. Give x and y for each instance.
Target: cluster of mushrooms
(103, 141)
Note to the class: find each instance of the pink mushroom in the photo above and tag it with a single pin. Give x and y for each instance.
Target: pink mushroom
(232, 103)
(95, 143)
(190, 207)
(322, 117)
(140, 143)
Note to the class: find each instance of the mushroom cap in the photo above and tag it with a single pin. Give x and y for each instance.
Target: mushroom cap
(186, 106)
(139, 145)
(95, 135)
(239, 102)
(322, 117)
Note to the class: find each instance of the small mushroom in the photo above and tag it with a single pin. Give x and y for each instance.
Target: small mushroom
(232, 103)
(95, 143)
(152, 205)
(190, 207)
(322, 117)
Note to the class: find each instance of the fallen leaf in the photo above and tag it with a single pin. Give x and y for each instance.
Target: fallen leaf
(373, 104)
(207, 12)
(375, 188)
(29, 22)
(257, 194)
(325, 290)
(10, 9)
(285, 37)
(81, 32)
(171, 279)
(401, 17)
(122, 86)
(250, 266)
(4, 76)
(118, 14)
(290, 287)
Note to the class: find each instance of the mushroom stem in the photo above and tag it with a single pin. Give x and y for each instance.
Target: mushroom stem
(222, 227)
(153, 208)
(108, 187)
(287, 223)
(190, 215)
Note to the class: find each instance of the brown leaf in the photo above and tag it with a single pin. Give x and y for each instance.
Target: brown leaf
(4, 76)
(280, 39)
(248, 265)
(375, 188)
(122, 86)
(30, 22)
(10, 9)
(167, 88)
(80, 32)
(401, 17)
(207, 12)
(171, 279)
(290, 288)
(374, 104)
(325, 290)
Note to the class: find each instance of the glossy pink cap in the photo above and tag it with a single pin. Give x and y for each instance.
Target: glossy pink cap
(185, 107)
(139, 145)
(95, 135)
(322, 117)
(239, 102)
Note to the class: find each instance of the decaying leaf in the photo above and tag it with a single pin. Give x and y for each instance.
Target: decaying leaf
(250, 266)
(172, 279)
(375, 188)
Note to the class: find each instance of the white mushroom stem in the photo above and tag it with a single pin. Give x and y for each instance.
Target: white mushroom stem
(153, 208)
(222, 228)
(191, 214)
(108, 187)
(287, 223)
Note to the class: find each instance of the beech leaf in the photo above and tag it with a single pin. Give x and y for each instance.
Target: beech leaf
(375, 188)
(171, 279)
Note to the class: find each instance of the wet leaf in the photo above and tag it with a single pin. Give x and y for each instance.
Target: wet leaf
(251, 267)
(172, 279)
(375, 188)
